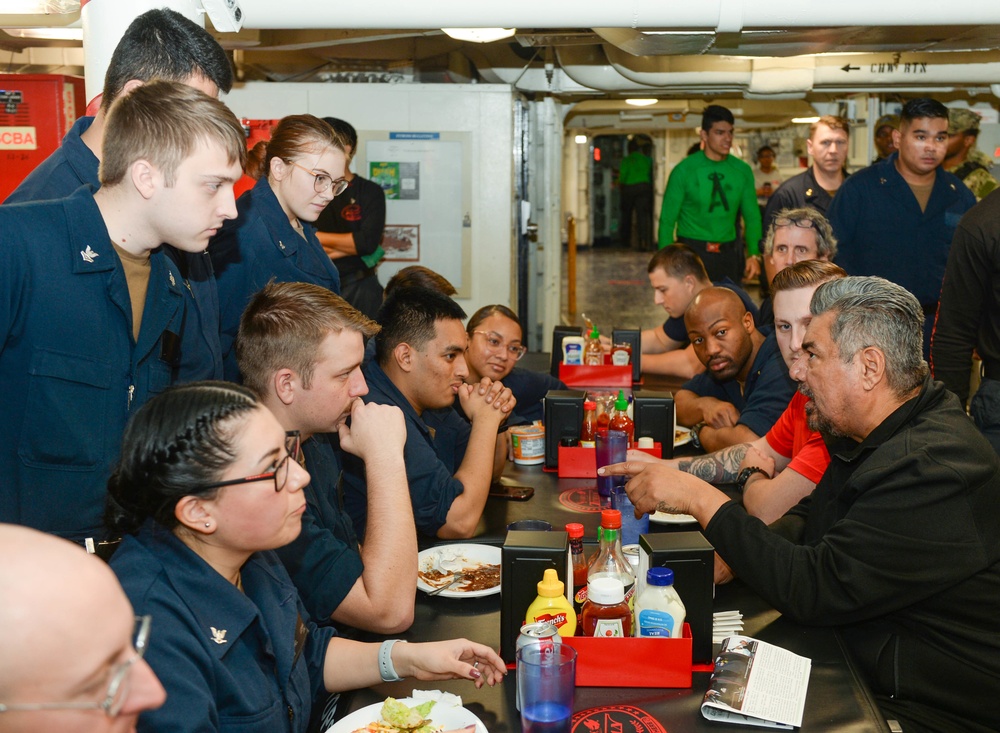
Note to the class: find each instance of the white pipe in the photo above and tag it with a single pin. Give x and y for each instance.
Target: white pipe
(721, 15)
(923, 70)
(778, 77)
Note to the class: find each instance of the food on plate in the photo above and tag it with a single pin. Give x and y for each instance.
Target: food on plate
(400, 718)
(480, 578)
(441, 567)
(474, 577)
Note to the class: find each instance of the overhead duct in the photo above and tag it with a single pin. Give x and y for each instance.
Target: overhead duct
(671, 72)
(784, 77)
(724, 16)
(881, 71)
(589, 67)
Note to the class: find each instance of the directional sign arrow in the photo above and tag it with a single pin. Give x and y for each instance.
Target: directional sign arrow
(848, 67)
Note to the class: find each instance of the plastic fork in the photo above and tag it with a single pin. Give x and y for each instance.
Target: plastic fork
(456, 578)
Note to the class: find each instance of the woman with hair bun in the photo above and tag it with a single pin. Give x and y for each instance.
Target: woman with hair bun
(298, 171)
(207, 485)
(494, 349)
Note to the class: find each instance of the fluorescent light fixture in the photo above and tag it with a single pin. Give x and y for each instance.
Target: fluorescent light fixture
(804, 120)
(479, 35)
(47, 34)
(640, 102)
(580, 139)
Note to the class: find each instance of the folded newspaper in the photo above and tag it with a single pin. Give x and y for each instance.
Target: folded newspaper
(756, 683)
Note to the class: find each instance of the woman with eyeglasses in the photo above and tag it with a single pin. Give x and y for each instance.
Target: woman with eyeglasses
(494, 349)
(207, 485)
(299, 171)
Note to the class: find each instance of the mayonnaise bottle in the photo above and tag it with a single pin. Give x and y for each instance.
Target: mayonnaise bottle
(573, 350)
(659, 611)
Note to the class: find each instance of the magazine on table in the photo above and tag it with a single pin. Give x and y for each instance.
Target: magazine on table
(756, 683)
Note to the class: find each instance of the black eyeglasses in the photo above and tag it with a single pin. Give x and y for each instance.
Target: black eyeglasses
(322, 182)
(293, 447)
(495, 342)
(118, 688)
(800, 223)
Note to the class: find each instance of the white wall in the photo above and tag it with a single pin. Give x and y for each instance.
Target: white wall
(484, 110)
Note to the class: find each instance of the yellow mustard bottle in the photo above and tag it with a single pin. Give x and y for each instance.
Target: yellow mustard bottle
(551, 605)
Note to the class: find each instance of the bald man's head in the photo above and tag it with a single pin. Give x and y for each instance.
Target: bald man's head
(722, 332)
(65, 628)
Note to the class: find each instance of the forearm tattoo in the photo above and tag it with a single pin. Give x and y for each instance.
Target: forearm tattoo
(668, 509)
(721, 467)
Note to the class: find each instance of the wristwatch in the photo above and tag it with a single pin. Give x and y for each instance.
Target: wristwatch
(745, 474)
(695, 435)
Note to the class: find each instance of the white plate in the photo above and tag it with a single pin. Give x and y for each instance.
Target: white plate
(683, 439)
(449, 717)
(455, 557)
(664, 518)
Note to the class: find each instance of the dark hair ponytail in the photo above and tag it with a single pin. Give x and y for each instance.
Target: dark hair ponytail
(491, 310)
(293, 137)
(178, 442)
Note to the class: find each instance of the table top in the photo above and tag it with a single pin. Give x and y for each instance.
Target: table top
(558, 501)
(837, 700)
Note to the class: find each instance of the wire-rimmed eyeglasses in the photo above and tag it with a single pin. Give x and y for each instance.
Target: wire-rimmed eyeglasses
(293, 447)
(322, 182)
(495, 342)
(118, 688)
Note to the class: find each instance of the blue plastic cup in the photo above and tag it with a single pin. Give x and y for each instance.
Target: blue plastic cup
(631, 527)
(612, 446)
(546, 684)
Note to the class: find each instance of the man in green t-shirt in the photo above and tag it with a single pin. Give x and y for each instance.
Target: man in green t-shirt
(635, 193)
(705, 194)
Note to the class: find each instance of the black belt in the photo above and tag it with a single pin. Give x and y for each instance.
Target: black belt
(346, 278)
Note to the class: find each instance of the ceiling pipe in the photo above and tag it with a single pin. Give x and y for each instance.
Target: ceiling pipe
(725, 16)
(772, 77)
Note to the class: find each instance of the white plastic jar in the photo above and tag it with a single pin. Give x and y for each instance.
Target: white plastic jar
(659, 611)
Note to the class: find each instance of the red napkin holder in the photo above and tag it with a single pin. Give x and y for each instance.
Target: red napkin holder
(632, 662)
(579, 462)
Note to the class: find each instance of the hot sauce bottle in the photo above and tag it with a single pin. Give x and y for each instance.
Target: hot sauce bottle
(575, 532)
(620, 419)
(593, 352)
(589, 427)
(608, 561)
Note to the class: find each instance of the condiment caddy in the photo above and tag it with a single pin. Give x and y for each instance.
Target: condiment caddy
(608, 655)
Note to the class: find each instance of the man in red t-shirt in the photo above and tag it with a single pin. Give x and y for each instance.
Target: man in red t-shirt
(777, 470)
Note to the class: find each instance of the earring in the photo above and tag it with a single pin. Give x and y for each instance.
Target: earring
(208, 525)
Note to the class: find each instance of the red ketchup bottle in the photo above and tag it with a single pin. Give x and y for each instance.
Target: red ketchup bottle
(606, 612)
